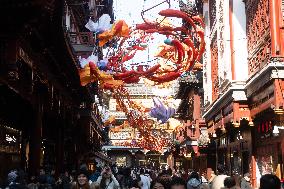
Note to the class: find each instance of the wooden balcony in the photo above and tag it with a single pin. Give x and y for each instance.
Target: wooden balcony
(82, 41)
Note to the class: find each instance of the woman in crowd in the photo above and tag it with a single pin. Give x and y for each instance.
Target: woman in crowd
(82, 181)
(107, 180)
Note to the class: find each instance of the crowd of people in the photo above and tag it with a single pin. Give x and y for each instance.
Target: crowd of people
(136, 178)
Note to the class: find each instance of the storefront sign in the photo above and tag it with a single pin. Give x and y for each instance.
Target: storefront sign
(120, 135)
(9, 140)
(264, 129)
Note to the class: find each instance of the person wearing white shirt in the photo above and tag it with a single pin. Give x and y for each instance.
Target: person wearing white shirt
(145, 180)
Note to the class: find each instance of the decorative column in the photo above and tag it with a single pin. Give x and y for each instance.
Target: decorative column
(232, 39)
(274, 11)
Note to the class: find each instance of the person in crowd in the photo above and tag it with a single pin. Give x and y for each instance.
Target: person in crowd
(165, 175)
(218, 181)
(147, 174)
(15, 181)
(136, 183)
(177, 183)
(145, 179)
(194, 182)
(120, 178)
(82, 180)
(153, 175)
(157, 184)
(269, 181)
(114, 168)
(59, 183)
(11, 178)
(96, 174)
(128, 180)
(50, 178)
(68, 179)
(230, 183)
(238, 179)
(210, 176)
(107, 180)
(42, 179)
(203, 178)
(245, 182)
(33, 184)
(22, 178)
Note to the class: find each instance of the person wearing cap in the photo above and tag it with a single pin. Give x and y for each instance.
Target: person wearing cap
(245, 182)
(107, 180)
(82, 180)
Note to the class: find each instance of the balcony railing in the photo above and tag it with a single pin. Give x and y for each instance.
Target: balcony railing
(82, 38)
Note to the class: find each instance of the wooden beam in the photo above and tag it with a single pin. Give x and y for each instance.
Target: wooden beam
(262, 107)
(278, 93)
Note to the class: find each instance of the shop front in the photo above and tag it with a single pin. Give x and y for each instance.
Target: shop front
(10, 149)
(268, 147)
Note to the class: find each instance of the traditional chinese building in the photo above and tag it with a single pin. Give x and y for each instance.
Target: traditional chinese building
(190, 111)
(243, 84)
(43, 105)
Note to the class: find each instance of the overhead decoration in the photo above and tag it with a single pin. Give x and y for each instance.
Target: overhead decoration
(101, 25)
(161, 111)
(180, 51)
(119, 29)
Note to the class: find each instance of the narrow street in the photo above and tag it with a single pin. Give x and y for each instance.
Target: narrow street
(142, 94)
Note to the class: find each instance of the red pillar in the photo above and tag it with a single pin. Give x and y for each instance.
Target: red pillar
(274, 10)
(196, 107)
(253, 174)
(232, 39)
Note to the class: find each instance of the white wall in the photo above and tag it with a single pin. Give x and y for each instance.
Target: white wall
(207, 81)
(227, 51)
(223, 41)
(240, 41)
